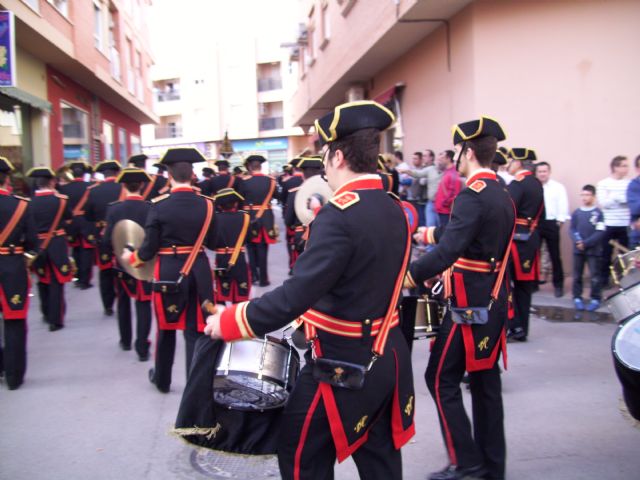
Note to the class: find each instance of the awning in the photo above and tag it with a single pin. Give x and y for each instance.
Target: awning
(25, 97)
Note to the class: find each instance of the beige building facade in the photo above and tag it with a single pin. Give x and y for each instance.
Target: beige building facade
(560, 76)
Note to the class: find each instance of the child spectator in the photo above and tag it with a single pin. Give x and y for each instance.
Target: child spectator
(587, 231)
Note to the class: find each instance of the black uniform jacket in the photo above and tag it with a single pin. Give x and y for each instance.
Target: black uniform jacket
(95, 210)
(297, 231)
(44, 208)
(232, 282)
(175, 220)
(224, 180)
(134, 208)
(474, 243)
(528, 197)
(347, 273)
(14, 278)
(294, 181)
(76, 191)
(255, 190)
(152, 189)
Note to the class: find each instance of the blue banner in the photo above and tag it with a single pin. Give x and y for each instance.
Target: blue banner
(261, 144)
(7, 50)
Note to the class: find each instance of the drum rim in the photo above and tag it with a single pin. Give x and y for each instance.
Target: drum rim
(619, 328)
(622, 290)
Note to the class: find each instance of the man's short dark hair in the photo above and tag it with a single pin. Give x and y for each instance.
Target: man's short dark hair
(3, 177)
(181, 171)
(132, 187)
(42, 182)
(109, 173)
(77, 171)
(360, 149)
(617, 160)
(398, 154)
(484, 148)
(637, 161)
(449, 154)
(418, 154)
(543, 164)
(430, 152)
(254, 165)
(309, 172)
(589, 188)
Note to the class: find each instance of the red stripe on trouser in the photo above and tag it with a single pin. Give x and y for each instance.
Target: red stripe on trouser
(303, 434)
(445, 425)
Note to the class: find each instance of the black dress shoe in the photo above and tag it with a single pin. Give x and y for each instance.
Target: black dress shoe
(55, 327)
(153, 380)
(84, 286)
(108, 312)
(265, 284)
(558, 292)
(452, 472)
(143, 357)
(124, 347)
(516, 335)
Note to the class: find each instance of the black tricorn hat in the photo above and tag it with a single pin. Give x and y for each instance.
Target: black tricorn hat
(351, 117)
(381, 163)
(312, 161)
(139, 160)
(131, 175)
(108, 165)
(182, 154)
(483, 127)
(222, 163)
(5, 165)
(160, 167)
(227, 196)
(287, 167)
(40, 172)
(523, 154)
(499, 158)
(239, 170)
(208, 171)
(254, 158)
(294, 162)
(80, 163)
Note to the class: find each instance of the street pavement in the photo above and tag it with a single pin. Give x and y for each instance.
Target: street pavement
(87, 410)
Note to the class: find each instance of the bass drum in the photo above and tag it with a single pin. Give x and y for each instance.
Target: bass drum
(625, 303)
(625, 347)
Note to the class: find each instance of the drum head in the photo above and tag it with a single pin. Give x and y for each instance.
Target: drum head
(626, 343)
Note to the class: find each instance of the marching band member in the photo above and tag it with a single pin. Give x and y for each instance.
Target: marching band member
(224, 179)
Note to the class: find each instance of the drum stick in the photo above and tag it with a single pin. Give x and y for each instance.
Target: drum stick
(619, 246)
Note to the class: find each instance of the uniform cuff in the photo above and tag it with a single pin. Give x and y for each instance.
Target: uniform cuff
(135, 261)
(234, 324)
(409, 282)
(428, 236)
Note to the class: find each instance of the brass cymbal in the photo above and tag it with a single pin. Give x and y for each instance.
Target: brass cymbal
(310, 187)
(129, 233)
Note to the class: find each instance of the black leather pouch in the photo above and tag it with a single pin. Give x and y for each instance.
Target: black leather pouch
(165, 286)
(339, 374)
(470, 315)
(521, 236)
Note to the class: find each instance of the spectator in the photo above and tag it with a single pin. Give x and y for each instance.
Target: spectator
(428, 158)
(633, 199)
(612, 197)
(587, 230)
(430, 177)
(448, 187)
(417, 191)
(405, 180)
(556, 206)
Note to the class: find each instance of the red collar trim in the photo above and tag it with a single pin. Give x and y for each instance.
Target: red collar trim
(110, 179)
(298, 174)
(4, 192)
(257, 174)
(364, 182)
(482, 173)
(78, 180)
(44, 194)
(133, 197)
(181, 189)
(523, 173)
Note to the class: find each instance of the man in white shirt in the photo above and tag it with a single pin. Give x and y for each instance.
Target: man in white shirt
(556, 205)
(612, 197)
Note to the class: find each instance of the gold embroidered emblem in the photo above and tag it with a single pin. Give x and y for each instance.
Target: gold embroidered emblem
(41, 271)
(91, 237)
(338, 371)
(164, 289)
(345, 200)
(526, 264)
(409, 406)
(243, 285)
(478, 186)
(483, 344)
(105, 257)
(172, 309)
(16, 299)
(361, 423)
(64, 268)
(225, 284)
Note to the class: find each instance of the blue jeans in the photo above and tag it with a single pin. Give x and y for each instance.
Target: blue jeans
(431, 217)
(594, 271)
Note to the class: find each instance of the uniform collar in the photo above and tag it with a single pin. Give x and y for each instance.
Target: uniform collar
(78, 179)
(523, 173)
(298, 174)
(369, 181)
(44, 193)
(4, 191)
(481, 173)
(257, 174)
(134, 197)
(110, 179)
(182, 189)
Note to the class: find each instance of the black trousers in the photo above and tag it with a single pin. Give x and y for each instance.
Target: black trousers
(594, 270)
(611, 233)
(258, 253)
(52, 302)
(446, 367)
(305, 445)
(166, 343)
(522, 292)
(13, 356)
(550, 233)
(107, 280)
(143, 322)
(84, 261)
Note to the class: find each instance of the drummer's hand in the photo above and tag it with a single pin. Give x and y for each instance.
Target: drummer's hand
(419, 235)
(580, 245)
(125, 258)
(213, 324)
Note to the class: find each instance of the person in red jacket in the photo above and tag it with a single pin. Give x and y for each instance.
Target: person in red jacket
(448, 188)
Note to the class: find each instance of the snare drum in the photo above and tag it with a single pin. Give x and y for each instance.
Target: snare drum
(625, 347)
(625, 303)
(255, 374)
(624, 271)
(429, 315)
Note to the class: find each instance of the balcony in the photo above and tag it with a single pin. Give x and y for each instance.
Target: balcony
(114, 56)
(168, 96)
(269, 83)
(168, 131)
(271, 123)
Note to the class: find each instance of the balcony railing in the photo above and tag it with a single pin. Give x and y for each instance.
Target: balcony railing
(168, 131)
(271, 123)
(270, 83)
(168, 96)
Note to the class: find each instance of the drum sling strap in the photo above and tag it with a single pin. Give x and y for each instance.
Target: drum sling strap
(532, 224)
(13, 221)
(147, 190)
(265, 202)
(54, 224)
(238, 246)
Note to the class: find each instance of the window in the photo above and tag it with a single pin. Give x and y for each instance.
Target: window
(326, 26)
(114, 52)
(109, 147)
(61, 5)
(97, 25)
(122, 141)
(75, 132)
(136, 148)
(137, 65)
(128, 59)
(34, 4)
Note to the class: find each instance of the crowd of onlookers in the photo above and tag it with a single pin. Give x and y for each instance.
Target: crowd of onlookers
(607, 220)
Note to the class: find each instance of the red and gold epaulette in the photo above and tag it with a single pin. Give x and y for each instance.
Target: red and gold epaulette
(345, 200)
(478, 186)
(394, 196)
(60, 195)
(93, 186)
(520, 177)
(22, 198)
(205, 196)
(160, 198)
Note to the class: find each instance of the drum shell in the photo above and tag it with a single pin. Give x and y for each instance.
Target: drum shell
(625, 348)
(428, 317)
(624, 269)
(625, 303)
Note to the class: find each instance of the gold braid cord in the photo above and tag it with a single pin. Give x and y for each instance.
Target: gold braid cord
(208, 433)
(625, 413)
